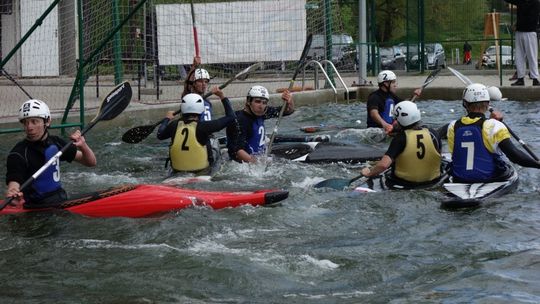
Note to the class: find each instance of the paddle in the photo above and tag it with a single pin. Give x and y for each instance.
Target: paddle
(322, 127)
(466, 80)
(339, 183)
(299, 66)
(428, 80)
(137, 134)
(292, 139)
(117, 100)
(195, 37)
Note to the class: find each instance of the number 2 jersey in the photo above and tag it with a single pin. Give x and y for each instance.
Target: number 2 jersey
(474, 141)
(27, 157)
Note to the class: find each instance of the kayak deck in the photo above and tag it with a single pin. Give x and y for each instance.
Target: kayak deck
(469, 195)
(150, 200)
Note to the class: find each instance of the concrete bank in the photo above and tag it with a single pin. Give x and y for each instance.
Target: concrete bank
(445, 87)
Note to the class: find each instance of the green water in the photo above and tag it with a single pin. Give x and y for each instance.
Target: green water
(319, 246)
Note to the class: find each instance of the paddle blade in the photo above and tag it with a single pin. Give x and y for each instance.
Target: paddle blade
(458, 203)
(116, 102)
(466, 80)
(334, 183)
(137, 134)
(242, 75)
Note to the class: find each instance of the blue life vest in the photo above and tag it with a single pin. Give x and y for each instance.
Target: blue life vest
(49, 180)
(471, 160)
(257, 140)
(207, 114)
(388, 108)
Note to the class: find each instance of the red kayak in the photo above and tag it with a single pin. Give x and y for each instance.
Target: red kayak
(151, 200)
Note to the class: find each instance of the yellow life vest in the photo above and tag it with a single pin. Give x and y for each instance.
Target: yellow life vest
(186, 153)
(420, 161)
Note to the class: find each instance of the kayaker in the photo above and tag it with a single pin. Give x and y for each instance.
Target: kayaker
(30, 154)
(247, 140)
(381, 102)
(197, 82)
(477, 143)
(414, 152)
(190, 135)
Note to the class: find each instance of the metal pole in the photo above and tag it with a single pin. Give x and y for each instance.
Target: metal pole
(362, 41)
(117, 46)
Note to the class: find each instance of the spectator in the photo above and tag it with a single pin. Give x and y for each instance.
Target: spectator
(526, 40)
(467, 48)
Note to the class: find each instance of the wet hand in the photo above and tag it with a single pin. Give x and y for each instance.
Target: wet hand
(366, 172)
(218, 92)
(498, 115)
(388, 128)
(78, 139)
(16, 194)
(169, 115)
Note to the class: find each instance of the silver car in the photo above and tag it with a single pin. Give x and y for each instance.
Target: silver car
(435, 56)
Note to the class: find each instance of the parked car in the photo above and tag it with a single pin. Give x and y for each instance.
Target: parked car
(392, 58)
(489, 58)
(341, 45)
(434, 56)
(411, 55)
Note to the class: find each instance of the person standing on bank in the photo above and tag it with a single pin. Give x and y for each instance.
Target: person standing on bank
(467, 48)
(32, 153)
(248, 140)
(414, 151)
(526, 40)
(380, 103)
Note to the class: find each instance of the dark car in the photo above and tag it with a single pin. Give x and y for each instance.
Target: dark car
(434, 56)
(392, 58)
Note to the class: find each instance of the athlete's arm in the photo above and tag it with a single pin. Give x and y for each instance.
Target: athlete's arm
(443, 131)
(243, 156)
(374, 114)
(168, 131)
(379, 168)
(516, 155)
(84, 154)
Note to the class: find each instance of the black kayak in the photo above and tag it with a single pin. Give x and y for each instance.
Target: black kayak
(470, 195)
(328, 152)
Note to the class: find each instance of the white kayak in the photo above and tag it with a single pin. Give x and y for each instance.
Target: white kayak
(467, 195)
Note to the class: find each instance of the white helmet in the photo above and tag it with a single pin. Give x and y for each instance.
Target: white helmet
(406, 113)
(200, 74)
(34, 108)
(258, 92)
(494, 94)
(475, 92)
(386, 75)
(192, 104)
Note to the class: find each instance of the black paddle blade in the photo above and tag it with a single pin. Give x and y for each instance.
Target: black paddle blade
(334, 183)
(458, 203)
(116, 102)
(137, 134)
